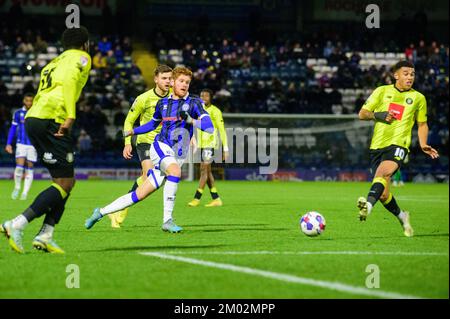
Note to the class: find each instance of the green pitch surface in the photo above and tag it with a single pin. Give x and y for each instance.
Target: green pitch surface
(249, 248)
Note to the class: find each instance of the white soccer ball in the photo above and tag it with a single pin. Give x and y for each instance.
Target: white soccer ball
(312, 224)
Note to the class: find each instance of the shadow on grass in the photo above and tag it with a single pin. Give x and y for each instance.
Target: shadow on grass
(432, 235)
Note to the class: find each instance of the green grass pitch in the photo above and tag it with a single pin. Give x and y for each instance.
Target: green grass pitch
(258, 219)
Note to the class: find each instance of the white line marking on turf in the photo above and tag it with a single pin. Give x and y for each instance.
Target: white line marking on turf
(265, 252)
(287, 278)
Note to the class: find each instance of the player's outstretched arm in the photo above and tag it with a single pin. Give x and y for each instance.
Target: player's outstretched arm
(422, 130)
(147, 127)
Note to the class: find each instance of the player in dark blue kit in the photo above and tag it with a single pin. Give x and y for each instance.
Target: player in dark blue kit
(179, 114)
(26, 154)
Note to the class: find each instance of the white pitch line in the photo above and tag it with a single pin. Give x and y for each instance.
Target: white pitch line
(287, 278)
(265, 252)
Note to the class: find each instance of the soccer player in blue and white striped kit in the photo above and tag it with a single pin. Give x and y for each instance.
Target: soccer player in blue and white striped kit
(26, 154)
(179, 114)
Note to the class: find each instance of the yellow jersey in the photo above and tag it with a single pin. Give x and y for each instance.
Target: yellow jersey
(408, 107)
(206, 140)
(143, 107)
(62, 80)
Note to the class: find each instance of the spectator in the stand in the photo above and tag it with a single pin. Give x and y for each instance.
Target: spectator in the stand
(104, 45)
(273, 103)
(119, 54)
(100, 122)
(111, 60)
(29, 87)
(328, 49)
(40, 45)
(22, 46)
(126, 46)
(291, 98)
(99, 61)
(5, 117)
(359, 102)
(422, 50)
(119, 118)
(84, 142)
(410, 53)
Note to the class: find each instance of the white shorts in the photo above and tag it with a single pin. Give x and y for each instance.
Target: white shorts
(162, 155)
(26, 151)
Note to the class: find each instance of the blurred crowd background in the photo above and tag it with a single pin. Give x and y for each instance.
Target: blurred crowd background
(302, 65)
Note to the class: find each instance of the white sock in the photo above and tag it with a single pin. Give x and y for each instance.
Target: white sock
(46, 232)
(170, 191)
(369, 207)
(18, 173)
(401, 216)
(20, 222)
(119, 204)
(28, 181)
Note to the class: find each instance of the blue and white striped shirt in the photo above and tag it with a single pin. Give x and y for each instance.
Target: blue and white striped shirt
(17, 129)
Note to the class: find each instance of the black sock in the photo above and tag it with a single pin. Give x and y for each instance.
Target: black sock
(135, 186)
(375, 192)
(30, 214)
(54, 216)
(391, 205)
(43, 203)
(214, 194)
(198, 194)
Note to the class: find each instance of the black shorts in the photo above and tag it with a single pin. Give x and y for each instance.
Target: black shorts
(143, 151)
(56, 153)
(391, 153)
(207, 155)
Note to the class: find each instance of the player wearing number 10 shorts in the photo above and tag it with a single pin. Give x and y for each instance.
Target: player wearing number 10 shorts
(394, 108)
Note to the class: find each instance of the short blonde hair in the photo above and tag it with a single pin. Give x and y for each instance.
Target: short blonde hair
(181, 70)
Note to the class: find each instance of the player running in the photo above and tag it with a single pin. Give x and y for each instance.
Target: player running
(208, 144)
(143, 107)
(179, 114)
(26, 154)
(394, 108)
(48, 125)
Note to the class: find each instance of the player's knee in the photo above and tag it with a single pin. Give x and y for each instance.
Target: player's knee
(174, 170)
(203, 168)
(384, 197)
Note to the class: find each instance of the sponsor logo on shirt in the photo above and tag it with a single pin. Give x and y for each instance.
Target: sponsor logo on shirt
(48, 158)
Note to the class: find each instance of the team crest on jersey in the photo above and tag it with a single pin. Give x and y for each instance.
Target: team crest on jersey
(84, 61)
(409, 101)
(69, 157)
(185, 107)
(164, 106)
